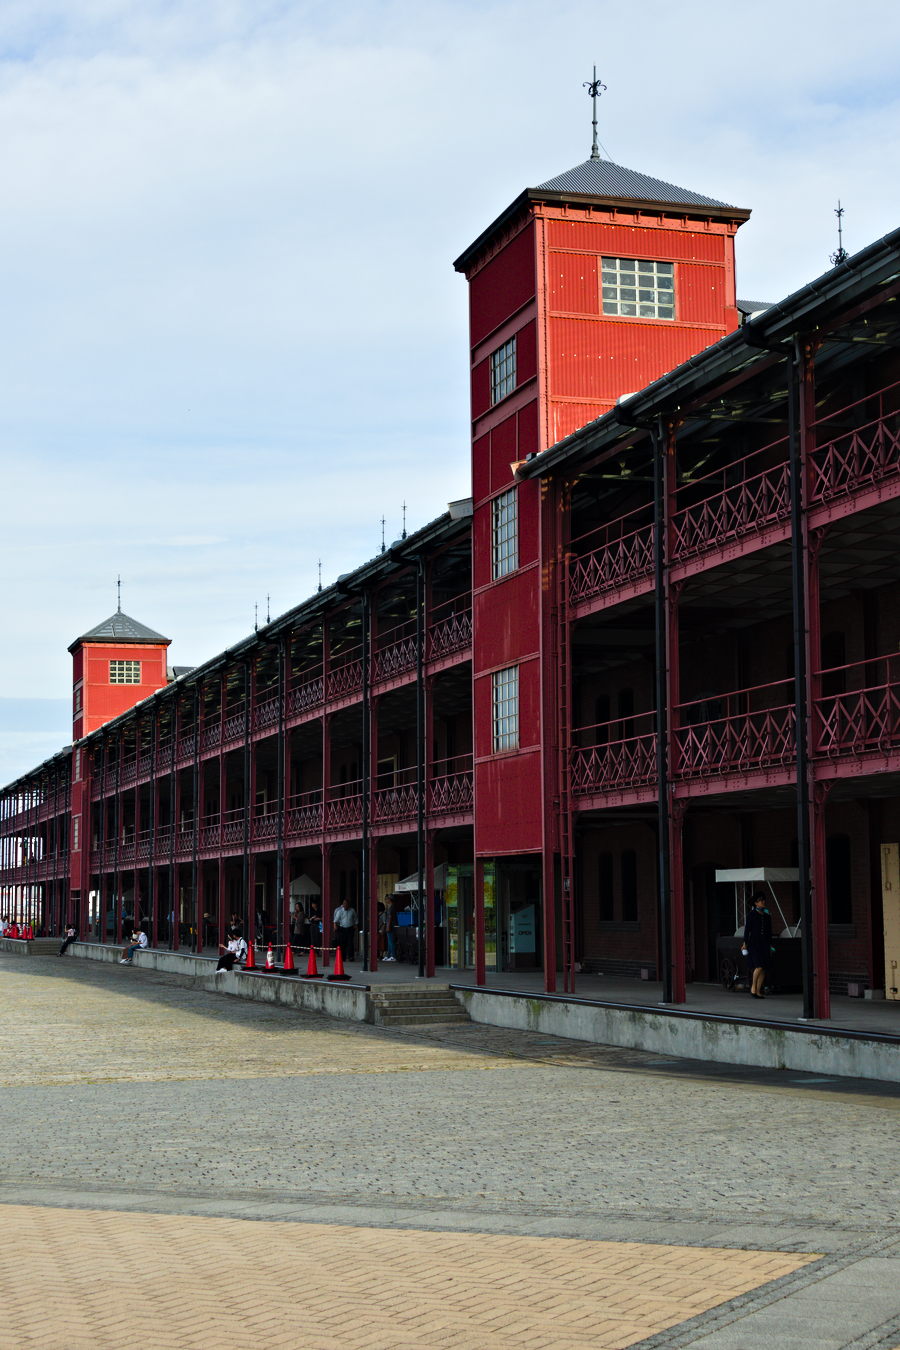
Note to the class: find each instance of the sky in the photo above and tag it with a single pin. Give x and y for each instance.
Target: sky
(232, 337)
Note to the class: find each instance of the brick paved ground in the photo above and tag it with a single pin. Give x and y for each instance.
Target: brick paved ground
(182, 1169)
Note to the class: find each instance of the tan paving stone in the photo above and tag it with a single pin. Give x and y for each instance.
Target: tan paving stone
(113, 1280)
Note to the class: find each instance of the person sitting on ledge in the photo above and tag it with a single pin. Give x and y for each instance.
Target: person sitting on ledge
(139, 941)
(71, 934)
(235, 951)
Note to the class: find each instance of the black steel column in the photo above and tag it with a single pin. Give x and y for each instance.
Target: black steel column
(283, 931)
(367, 902)
(424, 900)
(664, 869)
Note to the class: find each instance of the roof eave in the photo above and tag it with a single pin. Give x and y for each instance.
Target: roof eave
(730, 213)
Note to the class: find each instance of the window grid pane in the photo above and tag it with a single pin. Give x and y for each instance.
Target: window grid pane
(503, 371)
(124, 672)
(505, 534)
(640, 288)
(506, 708)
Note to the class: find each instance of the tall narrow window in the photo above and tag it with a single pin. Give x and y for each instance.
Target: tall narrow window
(629, 886)
(605, 887)
(503, 371)
(124, 672)
(639, 287)
(504, 533)
(505, 689)
(839, 878)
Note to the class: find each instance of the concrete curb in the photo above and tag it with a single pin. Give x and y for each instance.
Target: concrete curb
(690, 1036)
(347, 1001)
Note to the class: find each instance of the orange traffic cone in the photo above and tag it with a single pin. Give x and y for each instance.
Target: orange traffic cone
(338, 967)
(270, 958)
(289, 966)
(311, 972)
(250, 963)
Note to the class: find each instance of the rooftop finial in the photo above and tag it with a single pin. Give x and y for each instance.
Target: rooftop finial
(118, 595)
(255, 617)
(595, 88)
(320, 574)
(403, 535)
(841, 254)
(383, 546)
(268, 608)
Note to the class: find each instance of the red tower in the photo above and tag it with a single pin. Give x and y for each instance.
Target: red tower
(114, 666)
(584, 289)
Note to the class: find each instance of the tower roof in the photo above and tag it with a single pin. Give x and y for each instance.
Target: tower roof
(605, 183)
(120, 627)
(602, 178)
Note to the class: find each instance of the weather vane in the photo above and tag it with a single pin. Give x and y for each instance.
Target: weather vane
(119, 594)
(841, 255)
(595, 88)
(383, 545)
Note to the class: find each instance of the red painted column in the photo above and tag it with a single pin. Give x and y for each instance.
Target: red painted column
(221, 920)
(478, 902)
(429, 902)
(373, 908)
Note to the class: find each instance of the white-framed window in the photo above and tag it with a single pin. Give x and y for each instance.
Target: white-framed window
(505, 691)
(638, 287)
(503, 371)
(124, 672)
(504, 533)
(76, 833)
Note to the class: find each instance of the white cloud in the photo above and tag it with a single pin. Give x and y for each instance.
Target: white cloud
(232, 338)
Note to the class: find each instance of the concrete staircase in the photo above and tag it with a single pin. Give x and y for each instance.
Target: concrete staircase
(404, 1005)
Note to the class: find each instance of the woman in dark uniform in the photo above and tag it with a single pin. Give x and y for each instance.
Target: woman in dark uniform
(758, 941)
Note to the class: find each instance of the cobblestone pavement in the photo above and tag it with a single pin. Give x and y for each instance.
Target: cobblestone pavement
(182, 1167)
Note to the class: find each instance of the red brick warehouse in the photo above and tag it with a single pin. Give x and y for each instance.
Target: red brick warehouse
(660, 640)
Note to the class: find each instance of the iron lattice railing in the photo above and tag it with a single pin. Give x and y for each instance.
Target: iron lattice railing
(305, 813)
(758, 500)
(858, 458)
(449, 629)
(310, 694)
(622, 551)
(747, 729)
(867, 718)
(450, 793)
(613, 755)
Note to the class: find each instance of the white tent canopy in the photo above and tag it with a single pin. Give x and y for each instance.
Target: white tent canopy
(411, 884)
(742, 877)
(303, 888)
(757, 874)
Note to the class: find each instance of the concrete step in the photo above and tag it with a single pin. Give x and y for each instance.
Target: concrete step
(422, 1019)
(402, 1006)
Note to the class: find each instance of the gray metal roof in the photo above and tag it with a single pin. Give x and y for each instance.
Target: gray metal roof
(601, 178)
(753, 306)
(121, 627)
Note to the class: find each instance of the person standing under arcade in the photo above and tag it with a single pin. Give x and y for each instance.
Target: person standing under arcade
(758, 942)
